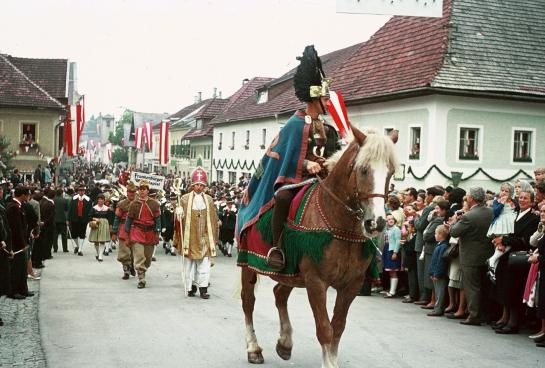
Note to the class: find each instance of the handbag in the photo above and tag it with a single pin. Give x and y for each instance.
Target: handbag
(451, 252)
(518, 259)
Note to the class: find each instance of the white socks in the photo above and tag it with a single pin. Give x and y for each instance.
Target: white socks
(393, 285)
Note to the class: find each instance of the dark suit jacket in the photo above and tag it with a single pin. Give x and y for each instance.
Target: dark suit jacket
(524, 228)
(73, 210)
(471, 229)
(17, 224)
(47, 211)
(420, 225)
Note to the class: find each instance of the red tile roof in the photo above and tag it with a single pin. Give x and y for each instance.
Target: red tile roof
(50, 74)
(19, 90)
(211, 108)
(405, 54)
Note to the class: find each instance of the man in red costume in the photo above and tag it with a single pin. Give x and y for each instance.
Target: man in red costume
(143, 226)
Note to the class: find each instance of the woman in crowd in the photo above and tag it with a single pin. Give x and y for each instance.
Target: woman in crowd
(100, 219)
(538, 258)
(390, 256)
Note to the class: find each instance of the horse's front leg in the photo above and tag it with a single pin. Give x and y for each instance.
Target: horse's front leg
(285, 342)
(249, 279)
(317, 296)
(345, 297)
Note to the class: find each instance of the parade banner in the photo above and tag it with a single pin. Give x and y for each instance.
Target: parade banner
(155, 181)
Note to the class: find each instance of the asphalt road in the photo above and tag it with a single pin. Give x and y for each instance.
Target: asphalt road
(89, 317)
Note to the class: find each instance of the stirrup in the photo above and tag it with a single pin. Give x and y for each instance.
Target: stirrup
(276, 259)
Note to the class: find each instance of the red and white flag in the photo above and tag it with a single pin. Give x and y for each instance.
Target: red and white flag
(163, 143)
(337, 110)
(138, 133)
(70, 134)
(80, 117)
(148, 133)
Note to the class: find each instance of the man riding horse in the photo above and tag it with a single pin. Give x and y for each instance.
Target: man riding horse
(296, 154)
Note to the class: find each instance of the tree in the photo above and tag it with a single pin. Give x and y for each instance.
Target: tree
(117, 137)
(120, 155)
(5, 155)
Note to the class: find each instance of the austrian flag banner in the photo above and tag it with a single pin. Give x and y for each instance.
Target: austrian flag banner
(163, 143)
(148, 134)
(337, 110)
(138, 137)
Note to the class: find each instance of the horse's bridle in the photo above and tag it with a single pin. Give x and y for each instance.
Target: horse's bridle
(359, 212)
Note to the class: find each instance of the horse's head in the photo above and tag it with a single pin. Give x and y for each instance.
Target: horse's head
(368, 163)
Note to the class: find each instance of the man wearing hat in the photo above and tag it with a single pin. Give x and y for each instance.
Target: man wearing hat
(297, 153)
(475, 249)
(143, 226)
(78, 215)
(228, 218)
(124, 253)
(19, 243)
(199, 228)
(167, 221)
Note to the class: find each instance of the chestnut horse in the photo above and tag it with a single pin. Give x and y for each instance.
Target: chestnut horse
(355, 193)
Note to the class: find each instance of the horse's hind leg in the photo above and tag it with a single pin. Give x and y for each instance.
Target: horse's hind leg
(249, 278)
(285, 343)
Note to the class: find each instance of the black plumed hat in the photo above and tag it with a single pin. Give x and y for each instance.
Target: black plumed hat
(309, 73)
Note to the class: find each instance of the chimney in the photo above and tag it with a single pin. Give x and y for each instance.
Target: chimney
(215, 92)
(200, 97)
(219, 94)
(245, 80)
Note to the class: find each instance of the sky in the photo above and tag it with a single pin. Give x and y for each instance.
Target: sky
(155, 56)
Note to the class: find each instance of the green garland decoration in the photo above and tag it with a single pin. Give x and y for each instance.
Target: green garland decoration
(224, 164)
(479, 170)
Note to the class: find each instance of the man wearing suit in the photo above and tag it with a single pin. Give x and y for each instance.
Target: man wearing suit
(19, 241)
(475, 249)
(62, 205)
(47, 211)
(510, 281)
(420, 225)
(78, 216)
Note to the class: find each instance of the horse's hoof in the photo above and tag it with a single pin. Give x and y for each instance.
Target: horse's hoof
(283, 352)
(256, 358)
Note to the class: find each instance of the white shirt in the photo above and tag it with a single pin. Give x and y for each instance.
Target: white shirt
(522, 213)
(199, 203)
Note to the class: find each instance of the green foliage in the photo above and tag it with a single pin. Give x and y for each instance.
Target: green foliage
(115, 138)
(5, 155)
(120, 155)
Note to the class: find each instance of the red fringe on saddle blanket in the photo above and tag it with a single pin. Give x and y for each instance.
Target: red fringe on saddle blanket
(256, 240)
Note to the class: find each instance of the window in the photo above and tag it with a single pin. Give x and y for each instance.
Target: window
(263, 138)
(469, 144)
(232, 177)
(221, 141)
(414, 153)
(232, 141)
(247, 145)
(199, 124)
(28, 134)
(522, 145)
(219, 175)
(262, 96)
(207, 152)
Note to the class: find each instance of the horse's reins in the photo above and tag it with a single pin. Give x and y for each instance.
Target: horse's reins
(358, 213)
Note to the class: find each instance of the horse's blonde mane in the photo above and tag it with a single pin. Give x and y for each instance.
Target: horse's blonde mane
(377, 148)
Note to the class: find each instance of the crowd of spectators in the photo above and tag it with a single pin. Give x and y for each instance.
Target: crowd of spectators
(476, 256)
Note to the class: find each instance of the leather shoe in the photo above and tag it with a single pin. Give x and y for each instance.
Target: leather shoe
(454, 316)
(538, 337)
(421, 302)
(435, 314)
(427, 307)
(507, 330)
(29, 293)
(408, 300)
(470, 322)
(80, 254)
(276, 259)
(17, 296)
(540, 345)
(498, 326)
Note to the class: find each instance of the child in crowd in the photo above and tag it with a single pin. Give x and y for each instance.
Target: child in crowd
(390, 255)
(505, 212)
(438, 270)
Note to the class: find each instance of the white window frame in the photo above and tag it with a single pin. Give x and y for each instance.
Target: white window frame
(221, 141)
(532, 147)
(480, 143)
(233, 134)
(219, 175)
(262, 96)
(420, 143)
(230, 174)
